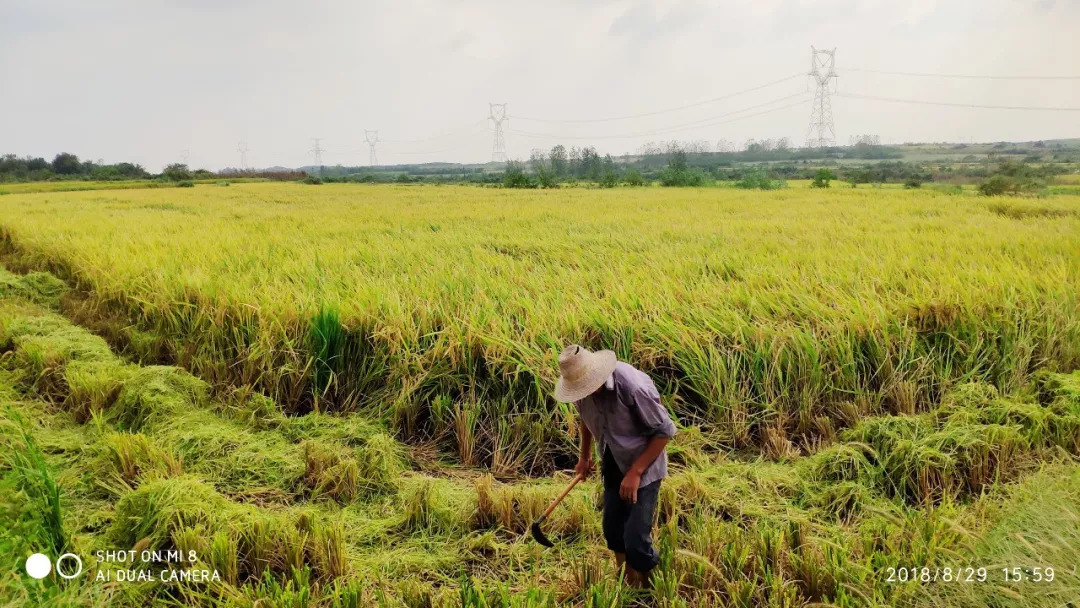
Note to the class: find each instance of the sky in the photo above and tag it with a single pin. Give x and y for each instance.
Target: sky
(160, 81)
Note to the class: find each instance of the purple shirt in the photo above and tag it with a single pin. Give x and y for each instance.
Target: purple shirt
(622, 420)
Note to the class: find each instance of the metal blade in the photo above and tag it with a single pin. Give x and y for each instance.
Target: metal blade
(538, 535)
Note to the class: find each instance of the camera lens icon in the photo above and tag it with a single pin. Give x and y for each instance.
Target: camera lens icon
(69, 572)
(39, 566)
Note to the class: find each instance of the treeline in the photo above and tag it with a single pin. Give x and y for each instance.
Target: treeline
(65, 166)
(684, 164)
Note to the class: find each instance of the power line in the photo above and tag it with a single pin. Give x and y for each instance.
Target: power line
(705, 122)
(458, 146)
(967, 76)
(666, 110)
(957, 105)
(465, 129)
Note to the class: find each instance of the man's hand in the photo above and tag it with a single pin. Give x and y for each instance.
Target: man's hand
(584, 466)
(629, 487)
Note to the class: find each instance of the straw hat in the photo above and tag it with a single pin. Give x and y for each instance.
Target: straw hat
(581, 372)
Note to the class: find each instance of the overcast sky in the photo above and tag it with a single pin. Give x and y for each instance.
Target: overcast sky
(152, 80)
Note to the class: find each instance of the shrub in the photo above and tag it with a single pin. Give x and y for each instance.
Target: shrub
(672, 176)
(609, 178)
(634, 178)
(547, 179)
(995, 186)
(758, 179)
(515, 176)
(176, 172)
(187, 183)
(312, 180)
(822, 178)
(913, 183)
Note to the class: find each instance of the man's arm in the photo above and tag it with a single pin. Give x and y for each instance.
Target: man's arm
(659, 428)
(585, 459)
(632, 478)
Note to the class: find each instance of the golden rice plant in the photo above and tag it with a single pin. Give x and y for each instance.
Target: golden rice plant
(736, 302)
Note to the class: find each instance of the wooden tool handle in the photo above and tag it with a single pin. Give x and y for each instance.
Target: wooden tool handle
(552, 506)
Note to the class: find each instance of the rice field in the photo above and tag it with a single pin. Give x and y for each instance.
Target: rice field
(337, 395)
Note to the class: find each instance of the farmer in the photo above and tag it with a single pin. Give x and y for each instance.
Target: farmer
(620, 408)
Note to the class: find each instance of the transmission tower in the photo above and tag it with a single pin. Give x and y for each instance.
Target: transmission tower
(317, 150)
(497, 114)
(821, 134)
(372, 138)
(184, 155)
(242, 148)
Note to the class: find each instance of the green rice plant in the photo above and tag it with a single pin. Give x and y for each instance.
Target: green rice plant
(37, 287)
(253, 409)
(44, 344)
(223, 556)
(423, 513)
(93, 386)
(851, 461)
(235, 458)
(33, 478)
(606, 594)
(485, 515)
(296, 592)
(326, 550)
(416, 594)
(158, 508)
(330, 473)
(348, 594)
(157, 392)
(380, 463)
(1061, 391)
(465, 423)
(134, 457)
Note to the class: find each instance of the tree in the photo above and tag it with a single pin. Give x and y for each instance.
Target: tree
(545, 175)
(651, 149)
(590, 163)
(176, 172)
(560, 162)
(676, 157)
(574, 167)
(698, 146)
(65, 164)
(609, 175)
(37, 164)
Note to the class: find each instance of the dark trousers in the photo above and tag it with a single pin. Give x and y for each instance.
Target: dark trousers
(628, 526)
